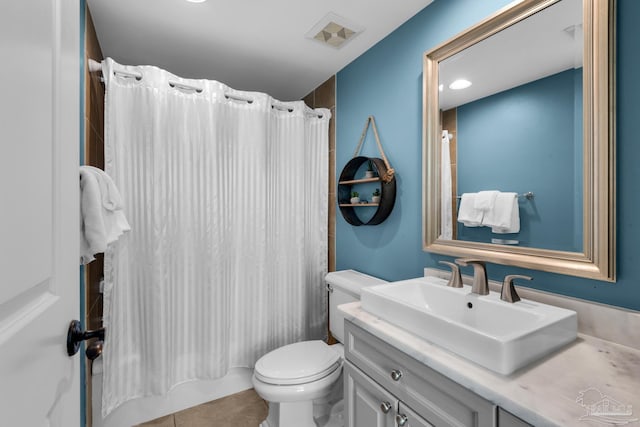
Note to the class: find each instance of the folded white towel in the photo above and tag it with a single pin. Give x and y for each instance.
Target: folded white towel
(93, 235)
(485, 200)
(111, 198)
(505, 216)
(102, 220)
(467, 213)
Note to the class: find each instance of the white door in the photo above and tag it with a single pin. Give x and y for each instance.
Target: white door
(39, 276)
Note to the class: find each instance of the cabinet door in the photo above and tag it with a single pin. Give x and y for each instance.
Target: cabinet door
(366, 401)
(410, 418)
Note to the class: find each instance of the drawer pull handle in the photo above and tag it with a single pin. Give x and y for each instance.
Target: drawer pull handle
(401, 419)
(396, 374)
(385, 407)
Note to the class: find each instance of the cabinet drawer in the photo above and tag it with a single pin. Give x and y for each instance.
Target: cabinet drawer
(507, 419)
(413, 419)
(432, 396)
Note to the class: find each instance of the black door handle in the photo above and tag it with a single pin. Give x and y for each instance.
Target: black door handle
(75, 336)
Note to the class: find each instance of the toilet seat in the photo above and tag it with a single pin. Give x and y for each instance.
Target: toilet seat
(297, 363)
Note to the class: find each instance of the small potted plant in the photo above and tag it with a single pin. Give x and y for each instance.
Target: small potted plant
(375, 197)
(369, 173)
(355, 197)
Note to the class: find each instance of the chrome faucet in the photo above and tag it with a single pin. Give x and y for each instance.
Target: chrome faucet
(480, 284)
(455, 281)
(509, 293)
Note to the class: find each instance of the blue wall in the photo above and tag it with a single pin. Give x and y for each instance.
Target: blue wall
(501, 146)
(386, 81)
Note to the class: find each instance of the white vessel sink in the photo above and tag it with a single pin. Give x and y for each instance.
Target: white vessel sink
(498, 335)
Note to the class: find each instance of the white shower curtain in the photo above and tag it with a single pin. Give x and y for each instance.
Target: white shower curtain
(446, 215)
(226, 193)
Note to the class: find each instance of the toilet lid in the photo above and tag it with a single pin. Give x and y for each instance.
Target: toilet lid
(297, 363)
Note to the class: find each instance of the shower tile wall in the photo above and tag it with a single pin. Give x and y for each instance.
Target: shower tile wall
(324, 96)
(94, 156)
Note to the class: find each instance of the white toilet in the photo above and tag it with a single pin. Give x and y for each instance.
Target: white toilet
(303, 381)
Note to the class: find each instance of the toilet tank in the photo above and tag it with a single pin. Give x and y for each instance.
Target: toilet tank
(345, 286)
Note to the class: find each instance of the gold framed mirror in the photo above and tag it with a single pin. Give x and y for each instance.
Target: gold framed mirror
(590, 252)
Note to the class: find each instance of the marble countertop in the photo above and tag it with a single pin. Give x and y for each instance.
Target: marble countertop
(545, 393)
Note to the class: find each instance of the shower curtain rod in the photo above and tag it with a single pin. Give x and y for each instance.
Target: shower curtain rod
(95, 67)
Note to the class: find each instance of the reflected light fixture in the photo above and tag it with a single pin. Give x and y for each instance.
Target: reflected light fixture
(441, 87)
(460, 84)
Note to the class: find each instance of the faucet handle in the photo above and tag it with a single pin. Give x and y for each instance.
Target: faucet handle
(455, 281)
(509, 293)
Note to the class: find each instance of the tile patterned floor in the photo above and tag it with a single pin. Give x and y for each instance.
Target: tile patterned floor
(244, 409)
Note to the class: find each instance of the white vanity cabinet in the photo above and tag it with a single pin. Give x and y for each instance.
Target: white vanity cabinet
(377, 373)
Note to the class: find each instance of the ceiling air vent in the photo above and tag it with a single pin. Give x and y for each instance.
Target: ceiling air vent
(333, 30)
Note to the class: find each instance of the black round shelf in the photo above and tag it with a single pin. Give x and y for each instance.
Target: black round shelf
(347, 180)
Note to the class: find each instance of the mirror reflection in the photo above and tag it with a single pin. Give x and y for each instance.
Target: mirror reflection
(511, 114)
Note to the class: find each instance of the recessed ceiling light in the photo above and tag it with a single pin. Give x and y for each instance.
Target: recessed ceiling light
(460, 84)
(196, 1)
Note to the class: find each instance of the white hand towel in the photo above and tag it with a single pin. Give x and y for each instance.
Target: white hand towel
(111, 198)
(102, 220)
(485, 200)
(467, 213)
(504, 218)
(93, 235)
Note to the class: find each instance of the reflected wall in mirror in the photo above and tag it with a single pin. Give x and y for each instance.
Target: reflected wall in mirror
(518, 128)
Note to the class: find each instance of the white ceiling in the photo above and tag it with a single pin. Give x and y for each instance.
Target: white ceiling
(256, 45)
(537, 47)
